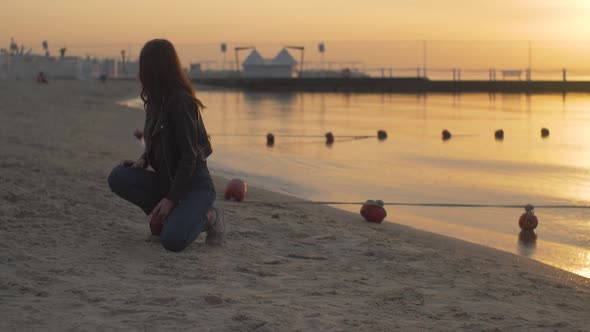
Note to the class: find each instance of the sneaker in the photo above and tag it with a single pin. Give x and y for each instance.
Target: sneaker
(216, 228)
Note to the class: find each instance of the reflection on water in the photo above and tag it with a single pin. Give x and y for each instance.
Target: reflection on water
(415, 165)
(527, 242)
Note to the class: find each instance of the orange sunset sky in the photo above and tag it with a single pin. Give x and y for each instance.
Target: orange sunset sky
(367, 31)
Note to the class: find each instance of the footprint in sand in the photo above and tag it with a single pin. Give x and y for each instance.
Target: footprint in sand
(255, 271)
(310, 257)
(273, 262)
(213, 300)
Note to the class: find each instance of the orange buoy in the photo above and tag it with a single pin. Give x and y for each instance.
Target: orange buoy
(236, 189)
(544, 132)
(329, 138)
(382, 135)
(373, 211)
(446, 135)
(156, 224)
(499, 134)
(528, 221)
(270, 140)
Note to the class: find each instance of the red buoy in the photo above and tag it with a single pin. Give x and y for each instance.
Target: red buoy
(528, 221)
(236, 189)
(156, 224)
(373, 211)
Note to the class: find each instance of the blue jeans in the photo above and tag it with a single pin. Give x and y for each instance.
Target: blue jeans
(185, 222)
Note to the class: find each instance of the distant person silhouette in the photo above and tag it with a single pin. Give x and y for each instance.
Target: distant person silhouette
(41, 78)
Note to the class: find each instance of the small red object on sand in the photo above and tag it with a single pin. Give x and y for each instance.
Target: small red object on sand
(236, 189)
(156, 224)
(373, 211)
(528, 221)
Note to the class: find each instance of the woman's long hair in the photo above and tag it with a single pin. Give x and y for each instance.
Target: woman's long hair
(161, 74)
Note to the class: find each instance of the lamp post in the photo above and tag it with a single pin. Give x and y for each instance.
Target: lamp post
(302, 49)
(424, 55)
(123, 61)
(322, 49)
(224, 51)
(529, 70)
(237, 50)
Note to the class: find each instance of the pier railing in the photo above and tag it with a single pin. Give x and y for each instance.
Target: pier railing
(433, 74)
(480, 74)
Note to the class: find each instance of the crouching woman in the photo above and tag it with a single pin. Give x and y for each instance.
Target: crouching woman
(179, 191)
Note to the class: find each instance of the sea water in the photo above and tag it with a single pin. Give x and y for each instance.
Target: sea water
(415, 165)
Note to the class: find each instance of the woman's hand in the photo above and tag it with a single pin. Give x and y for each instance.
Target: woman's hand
(163, 208)
(140, 163)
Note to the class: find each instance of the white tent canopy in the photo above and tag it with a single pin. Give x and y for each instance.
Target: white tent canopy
(284, 58)
(254, 59)
(281, 66)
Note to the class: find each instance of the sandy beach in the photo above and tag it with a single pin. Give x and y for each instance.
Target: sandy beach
(73, 255)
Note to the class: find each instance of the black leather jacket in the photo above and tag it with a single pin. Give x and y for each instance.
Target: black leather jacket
(180, 145)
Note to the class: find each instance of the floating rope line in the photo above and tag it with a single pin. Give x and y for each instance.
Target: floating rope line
(294, 136)
(329, 137)
(374, 210)
(450, 205)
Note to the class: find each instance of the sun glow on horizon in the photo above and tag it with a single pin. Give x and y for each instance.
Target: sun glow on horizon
(100, 28)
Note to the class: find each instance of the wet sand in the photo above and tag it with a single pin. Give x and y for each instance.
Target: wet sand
(73, 255)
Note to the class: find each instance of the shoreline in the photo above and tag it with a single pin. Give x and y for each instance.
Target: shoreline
(392, 229)
(570, 256)
(74, 255)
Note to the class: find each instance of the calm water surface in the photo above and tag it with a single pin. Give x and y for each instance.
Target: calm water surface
(415, 165)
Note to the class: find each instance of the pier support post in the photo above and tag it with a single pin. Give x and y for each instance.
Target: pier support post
(564, 75)
(454, 74)
(418, 72)
(528, 74)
